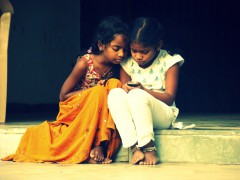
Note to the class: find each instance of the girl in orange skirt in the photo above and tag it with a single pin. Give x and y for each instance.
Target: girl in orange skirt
(84, 130)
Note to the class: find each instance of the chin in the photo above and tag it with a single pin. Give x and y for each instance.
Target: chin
(116, 62)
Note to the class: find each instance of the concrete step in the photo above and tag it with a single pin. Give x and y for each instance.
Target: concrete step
(211, 142)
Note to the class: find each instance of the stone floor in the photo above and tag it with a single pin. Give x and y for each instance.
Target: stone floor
(118, 171)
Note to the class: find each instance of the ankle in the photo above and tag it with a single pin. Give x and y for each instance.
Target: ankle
(150, 144)
(135, 148)
(149, 147)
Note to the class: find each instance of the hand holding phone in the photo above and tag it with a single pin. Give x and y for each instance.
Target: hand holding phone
(132, 84)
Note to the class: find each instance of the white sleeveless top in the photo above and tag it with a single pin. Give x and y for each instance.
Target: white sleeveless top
(154, 76)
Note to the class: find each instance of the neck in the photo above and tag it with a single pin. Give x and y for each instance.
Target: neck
(101, 60)
(101, 65)
(149, 63)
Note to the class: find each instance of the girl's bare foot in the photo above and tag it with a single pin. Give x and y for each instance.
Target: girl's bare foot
(97, 154)
(107, 161)
(91, 161)
(138, 156)
(150, 158)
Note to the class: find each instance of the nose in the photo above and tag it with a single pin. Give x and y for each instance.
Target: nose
(139, 56)
(121, 53)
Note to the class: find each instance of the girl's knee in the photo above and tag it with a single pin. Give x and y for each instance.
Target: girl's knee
(137, 95)
(116, 92)
(113, 83)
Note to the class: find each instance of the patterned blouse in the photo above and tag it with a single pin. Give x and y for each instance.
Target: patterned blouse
(92, 77)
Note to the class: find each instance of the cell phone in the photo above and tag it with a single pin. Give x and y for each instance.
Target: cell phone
(132, 84)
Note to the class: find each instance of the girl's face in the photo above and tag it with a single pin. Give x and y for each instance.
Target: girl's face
(141, 54)
(116, 50)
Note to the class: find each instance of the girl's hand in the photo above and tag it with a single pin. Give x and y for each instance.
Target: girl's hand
(101, 82)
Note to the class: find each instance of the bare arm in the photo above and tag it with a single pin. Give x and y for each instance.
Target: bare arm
(78, 72)
(124, 78)
(169, 95)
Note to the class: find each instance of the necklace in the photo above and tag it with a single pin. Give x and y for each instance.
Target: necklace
(105, 73)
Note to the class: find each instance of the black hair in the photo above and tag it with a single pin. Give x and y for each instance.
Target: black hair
(106, 31)
(146, 31)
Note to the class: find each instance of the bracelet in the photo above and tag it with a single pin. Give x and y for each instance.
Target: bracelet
(150, 149)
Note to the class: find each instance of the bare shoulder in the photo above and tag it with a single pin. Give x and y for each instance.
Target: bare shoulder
(173, 70)
(82, 62)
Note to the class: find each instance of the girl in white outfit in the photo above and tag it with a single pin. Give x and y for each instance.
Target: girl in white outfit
(137, 110)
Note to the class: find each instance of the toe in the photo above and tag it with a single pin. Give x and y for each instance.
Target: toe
(92, 154)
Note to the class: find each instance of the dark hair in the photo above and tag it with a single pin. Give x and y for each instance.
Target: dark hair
(106, 31)
(147, 31)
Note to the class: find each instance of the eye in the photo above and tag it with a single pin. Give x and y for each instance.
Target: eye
(115, 48)
(133, 51)
(145, 51)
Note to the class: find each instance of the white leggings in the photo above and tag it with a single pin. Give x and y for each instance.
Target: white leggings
(136, 114)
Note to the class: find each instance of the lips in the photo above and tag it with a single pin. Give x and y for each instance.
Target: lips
(139, 62)
(119, 60)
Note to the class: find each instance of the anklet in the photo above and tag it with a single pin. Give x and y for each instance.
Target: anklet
(135, 149)
(150, 149)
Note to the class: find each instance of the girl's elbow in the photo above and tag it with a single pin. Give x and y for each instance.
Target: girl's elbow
(170, 100)
(62, 97)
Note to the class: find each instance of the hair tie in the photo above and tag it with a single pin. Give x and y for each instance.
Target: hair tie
(89, 51)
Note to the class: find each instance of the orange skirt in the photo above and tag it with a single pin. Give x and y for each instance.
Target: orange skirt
(83, 122)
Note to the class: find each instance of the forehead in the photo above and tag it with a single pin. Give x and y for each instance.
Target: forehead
(139, 46)
(119, 39)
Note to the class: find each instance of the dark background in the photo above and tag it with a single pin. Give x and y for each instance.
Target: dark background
(205, 32)
(207, 35)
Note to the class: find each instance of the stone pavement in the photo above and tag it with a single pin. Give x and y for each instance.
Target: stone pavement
(118, 171)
